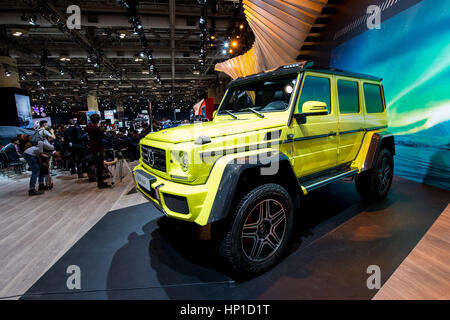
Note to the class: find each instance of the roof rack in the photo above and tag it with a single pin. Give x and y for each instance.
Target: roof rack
(299, 67)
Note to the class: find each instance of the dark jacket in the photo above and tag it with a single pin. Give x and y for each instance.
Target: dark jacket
(96, 136)
(11, 151)
(72, 134)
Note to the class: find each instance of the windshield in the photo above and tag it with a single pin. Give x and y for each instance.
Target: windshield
(263, 96)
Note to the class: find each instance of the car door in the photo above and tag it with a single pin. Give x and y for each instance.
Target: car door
(351, 119)
(315, 141)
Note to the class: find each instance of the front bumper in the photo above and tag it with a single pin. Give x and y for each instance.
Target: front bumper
(198, 198)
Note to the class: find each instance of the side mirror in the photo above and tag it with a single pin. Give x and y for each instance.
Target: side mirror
(311, 108)
(214, 114)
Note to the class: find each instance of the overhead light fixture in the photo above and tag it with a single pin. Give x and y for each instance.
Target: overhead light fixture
(196, 72)
(230, 51)
(234, 44)
(224, 51)
(241, 26)
(90, 71)
(61, 72)
(32, 20)
(7, 73)
(137, 58)
(212, 37)
(145, 72)
(29, 73)
(17, 33)
(64, 57)
(226, 44)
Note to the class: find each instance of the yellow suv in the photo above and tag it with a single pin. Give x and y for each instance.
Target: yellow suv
(275, 137)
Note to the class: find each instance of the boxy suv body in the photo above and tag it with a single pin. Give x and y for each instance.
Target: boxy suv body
(275, 137)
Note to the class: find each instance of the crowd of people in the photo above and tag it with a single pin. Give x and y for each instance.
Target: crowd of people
(82, 149)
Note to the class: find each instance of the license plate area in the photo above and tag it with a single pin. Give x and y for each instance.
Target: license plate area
(144, 179)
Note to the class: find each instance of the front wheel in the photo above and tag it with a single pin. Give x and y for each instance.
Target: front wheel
(258, 231)
(375, 183)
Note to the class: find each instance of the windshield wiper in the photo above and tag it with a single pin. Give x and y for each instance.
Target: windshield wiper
(256, 112)
(231, 114)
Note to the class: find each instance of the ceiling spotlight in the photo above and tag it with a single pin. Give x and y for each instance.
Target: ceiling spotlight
(212, 37)
(96, 65)
(7, 73)
(89, 59)
(32, 20)
(226, 44)
(90, 71)
(196, 72)
(234, 44)
(224, 51)
(64, 57)
(61, 72)
(17, 33)
(230, 51)
(29, 73)
(241, 26)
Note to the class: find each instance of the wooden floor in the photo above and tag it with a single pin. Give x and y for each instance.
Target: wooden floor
(36, 231)
(425, 273)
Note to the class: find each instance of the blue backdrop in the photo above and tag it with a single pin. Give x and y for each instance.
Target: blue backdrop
(411, 52)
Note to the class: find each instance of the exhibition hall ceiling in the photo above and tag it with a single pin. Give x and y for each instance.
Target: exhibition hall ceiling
(107, 55)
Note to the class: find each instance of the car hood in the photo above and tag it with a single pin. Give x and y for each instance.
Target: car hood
(213, 129)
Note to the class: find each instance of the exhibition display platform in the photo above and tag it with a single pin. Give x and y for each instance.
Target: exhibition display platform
(135, 253)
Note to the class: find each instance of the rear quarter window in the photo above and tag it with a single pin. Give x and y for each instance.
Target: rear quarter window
(348, 96)
(373, 98)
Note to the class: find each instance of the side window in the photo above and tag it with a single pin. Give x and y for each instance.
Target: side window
(348, 96)
(373, 97)
(315, 89)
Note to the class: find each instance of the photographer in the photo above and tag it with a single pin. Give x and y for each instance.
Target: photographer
(96, 136)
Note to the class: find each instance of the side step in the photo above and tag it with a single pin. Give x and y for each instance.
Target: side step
(327, 178)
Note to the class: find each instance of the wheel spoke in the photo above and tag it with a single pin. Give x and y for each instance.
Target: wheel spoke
(257, 248)
(273, 240)
(250, 230)
(277, 216)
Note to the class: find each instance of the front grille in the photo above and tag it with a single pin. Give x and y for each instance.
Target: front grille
(154, 157)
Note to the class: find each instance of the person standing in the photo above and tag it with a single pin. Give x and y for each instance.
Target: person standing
(73, 141)
(96, 136)
(45, 132)
(32, 155)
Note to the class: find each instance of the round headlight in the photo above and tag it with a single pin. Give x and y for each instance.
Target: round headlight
(184, 160)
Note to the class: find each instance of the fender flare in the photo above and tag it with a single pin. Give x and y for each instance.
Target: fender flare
(229, 182)
(379, 141)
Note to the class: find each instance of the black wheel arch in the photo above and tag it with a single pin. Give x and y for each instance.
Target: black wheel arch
(379, 141)
(240, 177)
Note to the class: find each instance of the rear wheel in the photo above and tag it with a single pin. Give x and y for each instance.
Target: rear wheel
(257, 233)
(375, 183)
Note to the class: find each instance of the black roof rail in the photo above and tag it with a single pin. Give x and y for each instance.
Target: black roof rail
(299, 67)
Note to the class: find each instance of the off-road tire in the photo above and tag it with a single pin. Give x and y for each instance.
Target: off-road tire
(233, 243)
(375, 183)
